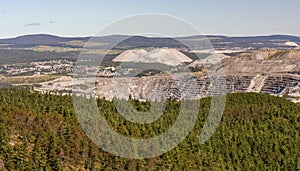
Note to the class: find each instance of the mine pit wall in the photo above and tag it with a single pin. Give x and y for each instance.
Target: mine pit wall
(191, 87)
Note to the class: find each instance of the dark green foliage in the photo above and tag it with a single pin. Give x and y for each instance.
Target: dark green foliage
(11, 56)
(41, 132)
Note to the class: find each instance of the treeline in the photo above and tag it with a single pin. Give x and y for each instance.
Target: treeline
(11, 56)
(41, 132)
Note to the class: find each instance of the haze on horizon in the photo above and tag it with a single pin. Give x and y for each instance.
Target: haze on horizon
(86, 18)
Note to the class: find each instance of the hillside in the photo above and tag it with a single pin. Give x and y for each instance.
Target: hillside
(40, 39)
(41, 132)
(14, 56)
(268, 61)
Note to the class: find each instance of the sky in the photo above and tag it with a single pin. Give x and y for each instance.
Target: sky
(86, 18)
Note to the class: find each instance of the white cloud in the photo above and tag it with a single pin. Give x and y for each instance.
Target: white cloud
(33, 24)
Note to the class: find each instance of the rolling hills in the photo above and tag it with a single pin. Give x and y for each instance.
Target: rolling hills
(219, 42)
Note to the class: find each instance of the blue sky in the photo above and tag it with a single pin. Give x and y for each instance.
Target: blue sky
(85, 18)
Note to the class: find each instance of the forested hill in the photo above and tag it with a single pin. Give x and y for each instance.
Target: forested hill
(41, 132)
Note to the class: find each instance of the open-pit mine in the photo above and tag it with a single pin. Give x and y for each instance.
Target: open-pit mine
(275, 72)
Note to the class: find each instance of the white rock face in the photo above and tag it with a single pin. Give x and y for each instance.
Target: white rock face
(291, 44)
(167, 56)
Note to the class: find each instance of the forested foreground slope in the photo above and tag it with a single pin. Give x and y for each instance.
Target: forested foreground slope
(41, 131)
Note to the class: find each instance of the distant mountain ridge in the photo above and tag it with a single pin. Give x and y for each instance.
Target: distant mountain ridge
(40, 39)
(219, 42)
